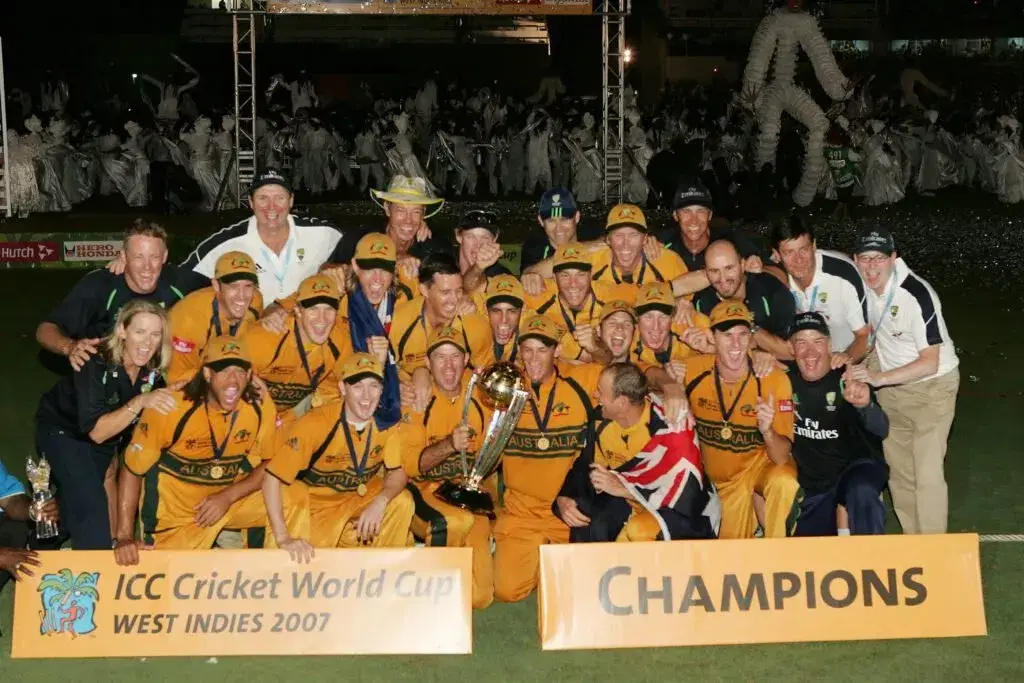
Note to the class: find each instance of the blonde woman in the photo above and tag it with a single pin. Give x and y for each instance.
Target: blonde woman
(84, 420)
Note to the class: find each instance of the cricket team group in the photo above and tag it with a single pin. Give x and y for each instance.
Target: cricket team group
(295, 385)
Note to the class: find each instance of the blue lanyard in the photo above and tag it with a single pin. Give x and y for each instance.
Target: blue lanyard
(279, 276)
(813, 300)
(881, 316)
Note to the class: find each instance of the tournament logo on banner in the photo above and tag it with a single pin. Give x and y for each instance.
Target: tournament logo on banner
(29, 252)
(246, 602)
(618, 595)
(92, 250)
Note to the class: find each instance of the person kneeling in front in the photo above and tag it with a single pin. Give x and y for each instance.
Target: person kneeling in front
(637, 479)
(837, 444)
(201, 462)
(342, 478)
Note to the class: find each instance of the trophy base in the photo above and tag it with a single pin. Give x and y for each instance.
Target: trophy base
(476, 501)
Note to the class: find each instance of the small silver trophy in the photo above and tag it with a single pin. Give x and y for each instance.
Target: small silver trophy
(39, 477)
(501, 386)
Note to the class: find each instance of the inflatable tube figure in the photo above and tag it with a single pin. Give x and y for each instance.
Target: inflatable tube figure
(781, 34)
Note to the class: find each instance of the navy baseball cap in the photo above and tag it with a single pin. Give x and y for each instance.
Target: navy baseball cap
(875, 239)
(270, 176)
(692, 194)
(557, 203)
(810, 320)
(478, 218)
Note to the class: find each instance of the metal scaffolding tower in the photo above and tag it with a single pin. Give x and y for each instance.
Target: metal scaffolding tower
(613, 62)
(243, 24)
(5, 178)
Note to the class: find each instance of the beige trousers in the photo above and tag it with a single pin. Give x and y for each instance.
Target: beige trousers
(920, 416)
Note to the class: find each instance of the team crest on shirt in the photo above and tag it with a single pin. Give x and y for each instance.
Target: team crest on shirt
(377, 450)
(143, 428)
(830, 399)
(893, 310)
(748, 410)
(301, 253)
(561, 408)
(242, 435)
(823, 297)
(292, 443)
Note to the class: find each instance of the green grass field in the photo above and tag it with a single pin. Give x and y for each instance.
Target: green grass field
(982, 468)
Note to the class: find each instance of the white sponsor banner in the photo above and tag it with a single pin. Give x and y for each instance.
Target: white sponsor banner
(92, 250)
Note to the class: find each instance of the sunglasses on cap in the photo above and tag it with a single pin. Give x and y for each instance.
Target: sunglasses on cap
(479, 219)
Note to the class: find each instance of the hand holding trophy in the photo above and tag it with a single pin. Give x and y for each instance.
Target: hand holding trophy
(38, 472)
(502, 388)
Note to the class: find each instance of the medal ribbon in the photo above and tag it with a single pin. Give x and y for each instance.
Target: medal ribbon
(570, 320)
(499, 349)
(215, 321)
(286, 261)
(314, 377)
(885, 307)
(218, 450)
(813, 300)
(629, 278)
(542, 425)
(727, 415)
(358, 465)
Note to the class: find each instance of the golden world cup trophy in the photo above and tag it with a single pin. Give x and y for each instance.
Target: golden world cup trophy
(38, 472)
(502, 387)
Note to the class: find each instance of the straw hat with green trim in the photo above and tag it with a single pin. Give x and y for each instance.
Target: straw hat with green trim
(406, 190)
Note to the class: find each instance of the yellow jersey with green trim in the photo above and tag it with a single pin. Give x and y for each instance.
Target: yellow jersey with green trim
(537, 456)
(726, 456)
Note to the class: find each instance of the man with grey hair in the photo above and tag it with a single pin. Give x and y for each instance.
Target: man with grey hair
(610, 493)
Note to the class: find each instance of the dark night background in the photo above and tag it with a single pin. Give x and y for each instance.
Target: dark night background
(97, 45)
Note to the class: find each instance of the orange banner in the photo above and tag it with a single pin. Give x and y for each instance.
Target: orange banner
(246, 602)
(481, 7)
(615, 595)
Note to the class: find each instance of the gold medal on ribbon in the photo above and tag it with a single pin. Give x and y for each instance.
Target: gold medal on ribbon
(216, 472)
(361, 490)
(725, 432)
(543, 443)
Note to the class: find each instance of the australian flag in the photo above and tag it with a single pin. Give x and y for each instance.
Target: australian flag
(666, 478)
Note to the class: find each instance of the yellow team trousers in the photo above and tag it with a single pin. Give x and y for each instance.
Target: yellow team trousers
(641, 527)
(779, 487)
(523, 526)
(327, 517)
(439, 524)
(248, 515)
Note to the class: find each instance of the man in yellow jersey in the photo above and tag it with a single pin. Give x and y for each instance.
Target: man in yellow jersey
(660, 341)
(295, 362)
(441, 287)
(479, 250)
(365, 314)
(551, 434)
(503, 301)
(573, 301)
(745, 428)
(432, 441)
(623, 258)
(617, 326)
(342, 479)
(201, 463)
(669, 494)
(228, 306)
